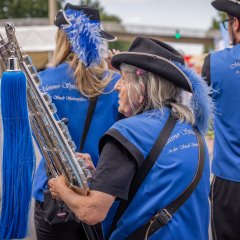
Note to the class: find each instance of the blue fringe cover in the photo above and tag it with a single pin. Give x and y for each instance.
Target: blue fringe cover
(18, 160)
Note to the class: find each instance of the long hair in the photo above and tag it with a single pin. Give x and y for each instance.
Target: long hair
(158, 93)
(90, 81)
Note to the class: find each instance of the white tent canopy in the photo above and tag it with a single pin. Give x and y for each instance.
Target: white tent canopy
(35, 38)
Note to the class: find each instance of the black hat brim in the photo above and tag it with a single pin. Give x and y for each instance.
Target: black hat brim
(107, 36)
(154, 64)
(229, 7)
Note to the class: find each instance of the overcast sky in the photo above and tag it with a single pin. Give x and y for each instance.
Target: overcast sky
(192, 14)
(196, 14)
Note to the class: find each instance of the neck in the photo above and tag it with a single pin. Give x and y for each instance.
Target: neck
(235, 38)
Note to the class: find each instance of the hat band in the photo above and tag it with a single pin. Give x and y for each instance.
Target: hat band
(164, 59)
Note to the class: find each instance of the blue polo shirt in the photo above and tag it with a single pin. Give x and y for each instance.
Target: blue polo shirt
(225, 78)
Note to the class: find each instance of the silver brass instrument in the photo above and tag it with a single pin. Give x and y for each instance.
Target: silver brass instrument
(52, 135)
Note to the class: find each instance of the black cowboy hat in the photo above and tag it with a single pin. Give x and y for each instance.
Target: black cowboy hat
(156, 57)
(232, 7)
(92, 13)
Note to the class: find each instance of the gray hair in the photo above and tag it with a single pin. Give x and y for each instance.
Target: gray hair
(158, 93)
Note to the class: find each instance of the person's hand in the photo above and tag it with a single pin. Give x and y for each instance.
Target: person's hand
(56, 185)
(111, 53)
(87, 160)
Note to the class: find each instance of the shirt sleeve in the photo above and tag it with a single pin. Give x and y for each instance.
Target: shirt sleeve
(206, 70)
(115, 170)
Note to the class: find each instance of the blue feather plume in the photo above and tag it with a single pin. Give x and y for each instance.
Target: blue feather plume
(201, 102)
(84, 37)
(18, 158)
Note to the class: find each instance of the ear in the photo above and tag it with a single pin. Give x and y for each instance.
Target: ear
(236, 24)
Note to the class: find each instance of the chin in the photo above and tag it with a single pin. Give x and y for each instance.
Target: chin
(125, 111)
(120, 110)
(127, 114)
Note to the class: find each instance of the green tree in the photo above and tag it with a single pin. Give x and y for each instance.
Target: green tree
(25, 8)
(120, 45)
(215, 22)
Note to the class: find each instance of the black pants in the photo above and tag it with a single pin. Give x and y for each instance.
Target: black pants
(225, 209)
(70, 230)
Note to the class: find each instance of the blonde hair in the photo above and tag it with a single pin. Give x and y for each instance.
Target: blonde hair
(90, 81)
(158, 93)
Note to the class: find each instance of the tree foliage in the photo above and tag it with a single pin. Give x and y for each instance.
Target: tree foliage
(220, 17)
(39, 9)
(120, 45)
(25, 8)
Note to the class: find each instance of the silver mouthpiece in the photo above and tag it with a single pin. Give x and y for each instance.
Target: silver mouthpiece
(13, 64)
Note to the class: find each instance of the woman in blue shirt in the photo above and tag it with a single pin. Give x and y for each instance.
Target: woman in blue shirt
(153, 77)
(77, 73)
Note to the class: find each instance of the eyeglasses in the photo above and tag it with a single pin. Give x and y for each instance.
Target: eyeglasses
(225, 23)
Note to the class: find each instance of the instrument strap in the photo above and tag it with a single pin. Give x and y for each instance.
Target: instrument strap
(91, 108)
(165, 215)
(146, 167)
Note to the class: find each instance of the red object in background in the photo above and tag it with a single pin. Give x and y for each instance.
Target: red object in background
(187, 59)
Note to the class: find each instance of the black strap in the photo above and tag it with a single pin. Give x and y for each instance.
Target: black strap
(91, 108)
(92, 232)
(146, 167)
(165, 214)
